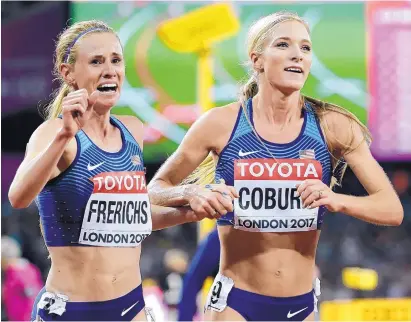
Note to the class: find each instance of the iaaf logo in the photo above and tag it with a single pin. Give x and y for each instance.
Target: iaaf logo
(120, 182)
(269, 169)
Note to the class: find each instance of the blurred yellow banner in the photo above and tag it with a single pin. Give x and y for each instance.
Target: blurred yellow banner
(199, 28)
(366, 310)
(360, 278)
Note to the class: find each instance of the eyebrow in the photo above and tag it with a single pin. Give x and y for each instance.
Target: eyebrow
(289, 39)
(102, 56)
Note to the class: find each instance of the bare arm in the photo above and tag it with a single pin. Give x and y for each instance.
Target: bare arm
(194, 148)
(208, 133)
(47, 145)
(164, 217)
(382, 206)
(43, 153)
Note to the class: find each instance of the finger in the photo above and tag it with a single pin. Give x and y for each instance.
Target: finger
(79, 93)
(76, 99)
(92, 99)
(74, 108)
(227, 203)
(224, 188)
(224, 191)
(202, 212)
(209, 217)
(208, 207)
(216, 204)
(306, 191)
(310, 187)
(300, 189)
(306, 183)
(320, 202)
(313, 196)
(234, 191)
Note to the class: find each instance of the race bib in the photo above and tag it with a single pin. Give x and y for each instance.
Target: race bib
(268, 199)
(218, 294)
(118, 211)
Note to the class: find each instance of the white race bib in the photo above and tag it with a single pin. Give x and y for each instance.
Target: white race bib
(218, 294)
(268, 200)
(118, 211)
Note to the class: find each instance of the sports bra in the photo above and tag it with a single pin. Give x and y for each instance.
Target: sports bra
(265, 175)
(100, 199)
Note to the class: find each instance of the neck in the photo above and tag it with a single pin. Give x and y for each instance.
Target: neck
(99, 124)
(277, 107)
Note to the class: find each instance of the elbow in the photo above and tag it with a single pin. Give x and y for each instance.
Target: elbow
(16, 201)
(396, 214)
(399, 216)
(155, 183)
(18, 204)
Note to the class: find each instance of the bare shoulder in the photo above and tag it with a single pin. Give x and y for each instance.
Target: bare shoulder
(44, 135)
(226, 111)
(134, 125)
(221, 117)
(215, 126)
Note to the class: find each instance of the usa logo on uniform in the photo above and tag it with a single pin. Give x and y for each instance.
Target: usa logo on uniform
(307, 154)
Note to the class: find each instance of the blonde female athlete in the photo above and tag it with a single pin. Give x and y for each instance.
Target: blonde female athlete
(84, 167)
(276, 148)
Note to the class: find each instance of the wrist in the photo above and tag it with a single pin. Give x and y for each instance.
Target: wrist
(189, 192)
(341, 203)
(188, 214)
(63, 135)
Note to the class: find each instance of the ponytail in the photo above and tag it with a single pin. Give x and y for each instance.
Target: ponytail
(321, 108)
(204, 173)
(53, 110)
(249, 90)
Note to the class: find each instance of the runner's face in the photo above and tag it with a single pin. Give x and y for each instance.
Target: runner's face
(100, 66)
(287, 57)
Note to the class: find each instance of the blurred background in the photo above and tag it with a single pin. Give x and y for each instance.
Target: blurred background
(361, 61)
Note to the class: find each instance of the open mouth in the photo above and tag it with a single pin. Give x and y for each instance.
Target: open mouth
(294, 70)
(107, 88)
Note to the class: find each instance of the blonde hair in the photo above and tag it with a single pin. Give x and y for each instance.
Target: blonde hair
(257, 37)
(66, 50)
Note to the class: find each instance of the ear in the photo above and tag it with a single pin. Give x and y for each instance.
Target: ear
(66, 72)
(257, 62)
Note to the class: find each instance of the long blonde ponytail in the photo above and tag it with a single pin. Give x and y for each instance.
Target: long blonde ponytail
(249, 90)
(205, 172)
(321, 108)
(54, 108)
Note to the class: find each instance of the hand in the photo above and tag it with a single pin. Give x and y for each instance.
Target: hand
(315, 193)
(77, 107)
(193, 216)
(213, 200)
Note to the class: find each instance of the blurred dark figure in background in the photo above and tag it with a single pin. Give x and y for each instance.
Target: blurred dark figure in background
(175, 263)
(204, 263)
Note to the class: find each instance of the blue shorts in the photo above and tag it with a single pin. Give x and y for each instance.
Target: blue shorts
(256, 307)
(54, 307)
